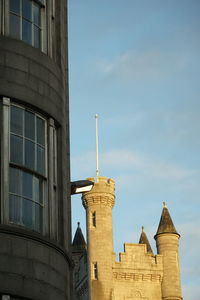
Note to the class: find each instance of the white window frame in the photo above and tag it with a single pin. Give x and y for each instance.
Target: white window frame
(6, 18)
(24, 138)
(50, 197)
(48, 11)
(52, 172)
(31, 171)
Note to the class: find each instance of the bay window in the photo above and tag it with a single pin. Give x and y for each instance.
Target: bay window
(26, 21)
(27, 173)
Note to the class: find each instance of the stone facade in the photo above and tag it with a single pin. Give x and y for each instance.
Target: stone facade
(139, 274)
(35, 221)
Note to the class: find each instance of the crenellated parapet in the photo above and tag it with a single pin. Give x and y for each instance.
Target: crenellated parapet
(102, 193)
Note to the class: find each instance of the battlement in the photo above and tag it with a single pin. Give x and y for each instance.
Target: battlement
(103, 192)
(103, 185)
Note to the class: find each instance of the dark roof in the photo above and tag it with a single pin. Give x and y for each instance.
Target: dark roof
(144, 240)
(79, 241)
(166, 225)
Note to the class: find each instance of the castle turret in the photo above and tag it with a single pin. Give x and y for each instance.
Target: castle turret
(144, 240)
(167, 242)
(78, 245)
(98, 204)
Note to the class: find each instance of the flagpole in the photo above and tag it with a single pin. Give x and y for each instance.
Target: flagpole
(97, 147)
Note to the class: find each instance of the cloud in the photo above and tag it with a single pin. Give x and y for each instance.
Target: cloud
(124, 161)
(143, 163)
(135, 66)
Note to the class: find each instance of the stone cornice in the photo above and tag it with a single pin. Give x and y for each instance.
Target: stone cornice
(98, 199)
(31, 235)
(126, 276)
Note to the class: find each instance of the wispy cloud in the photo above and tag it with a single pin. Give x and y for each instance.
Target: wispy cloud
(123, 161)
(140, 66)
(143, 163)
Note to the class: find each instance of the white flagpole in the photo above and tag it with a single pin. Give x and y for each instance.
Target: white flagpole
(97, 148)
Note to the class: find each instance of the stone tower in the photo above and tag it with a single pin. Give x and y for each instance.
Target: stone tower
(98, 204)
(167, 242)
(139, 273)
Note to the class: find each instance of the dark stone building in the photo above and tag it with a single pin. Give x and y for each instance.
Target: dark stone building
(35, 225)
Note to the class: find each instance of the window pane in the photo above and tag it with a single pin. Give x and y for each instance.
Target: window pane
(16, 120)
(40, 131)
(14, 26)
(27, 32)
(14, 208)
(38, 217)
(16, 149)
(29, 154)
(27, 190)
(29, 125)
(15, 181)
(27, 9)
(38, 189)
(40, 160)
(15, 6)
(36, 37)
(27, 213)
(36, 14)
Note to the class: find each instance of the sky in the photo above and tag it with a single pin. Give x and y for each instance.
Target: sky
(136, 63)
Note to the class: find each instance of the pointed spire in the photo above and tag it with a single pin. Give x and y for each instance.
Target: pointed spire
(166, 225)
(79, 241)
(144, 240)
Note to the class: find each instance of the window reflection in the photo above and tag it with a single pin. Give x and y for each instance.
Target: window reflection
(26, 32)
(27, 169)
(15, 6)
(14, 209)
(27, 213)
(15, 27)
(29, 125)
(16, 153)
(27, 140)
(25, 21)
(29, 154)
(26, 199)
(27, 182)
(27, 9)
(16, 120)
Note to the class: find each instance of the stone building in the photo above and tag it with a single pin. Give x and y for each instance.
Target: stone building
(35, 224)
(139, 274)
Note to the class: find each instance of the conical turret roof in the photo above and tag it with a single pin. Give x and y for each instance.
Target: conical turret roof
(78, 241)
(144, 240)
(166, 225)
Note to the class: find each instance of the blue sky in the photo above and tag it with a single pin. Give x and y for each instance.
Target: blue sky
(136, 63)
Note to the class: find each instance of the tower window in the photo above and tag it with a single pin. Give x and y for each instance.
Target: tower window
(25, 21)
(94, 219)
(27, 176)
(95, 270)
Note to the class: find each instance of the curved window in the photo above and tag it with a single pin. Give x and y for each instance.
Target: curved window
(25, 21)
(27, 168)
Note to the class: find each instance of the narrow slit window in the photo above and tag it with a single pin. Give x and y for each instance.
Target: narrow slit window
(94, 219)
(95, 270)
